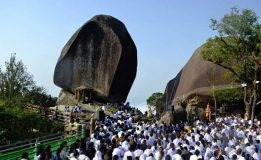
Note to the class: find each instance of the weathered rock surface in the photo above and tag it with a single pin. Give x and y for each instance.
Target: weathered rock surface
(179, 114)
(167, 118)
(100, 56)
(195, 79)
(66, 98)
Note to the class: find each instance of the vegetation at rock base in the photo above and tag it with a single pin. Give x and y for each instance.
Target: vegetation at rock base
(154, 103)
(236, 47)
(17, 89)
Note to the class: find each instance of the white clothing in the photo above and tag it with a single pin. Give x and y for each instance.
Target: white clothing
(118, 151)
(239, 157)
(125, 145)
(148, 152)
(150, 158)
(138, 153)
(157, 155)
(177, 157)
(193, 157)
(83, 157)
(171, 152)
(176, 142)
(104, 108)
(127, 154)
(98, 155)
(256, 156)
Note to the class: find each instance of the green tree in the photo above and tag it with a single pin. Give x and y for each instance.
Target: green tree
(236, 48)
(15, 81)
(38, 96)
(229, 96)
(154, 102)
(18, 89)
(1, 84)
(17, 124)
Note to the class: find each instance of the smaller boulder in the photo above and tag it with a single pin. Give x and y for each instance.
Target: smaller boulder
(167, 118)
(66, 98)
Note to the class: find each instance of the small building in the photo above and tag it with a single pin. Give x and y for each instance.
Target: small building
(82, 93)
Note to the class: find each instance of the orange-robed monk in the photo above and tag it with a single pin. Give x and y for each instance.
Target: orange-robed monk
(208, 112)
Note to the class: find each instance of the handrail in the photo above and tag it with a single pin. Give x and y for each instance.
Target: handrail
(3, 147)
(30, 144)
(16, 151)
(61, 116)
(32, 149)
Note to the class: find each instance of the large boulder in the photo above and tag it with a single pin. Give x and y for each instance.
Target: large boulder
(100, 58)
(196, 78)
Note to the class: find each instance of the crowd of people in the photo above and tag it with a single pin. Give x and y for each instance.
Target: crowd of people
(75, 109)
(118, 138)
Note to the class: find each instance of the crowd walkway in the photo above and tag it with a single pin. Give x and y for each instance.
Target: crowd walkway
(116, 138)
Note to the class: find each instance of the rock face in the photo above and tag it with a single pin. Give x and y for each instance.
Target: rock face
(195, 79)
(179, 114)
(100, 58)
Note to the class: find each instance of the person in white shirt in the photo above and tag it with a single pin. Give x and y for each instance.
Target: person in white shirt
(258, 144)
(160, 153)
(171, 150)
(256, 155)
(151, 139)
(208, 153)
(207, 137)
(239, 156)
(125, 144)
(138, 152)
(118, 151)
(104, 107)
(177, 156)
(146, 132)
(64, 153)
(73, 157)
(83, 157)
(176, 141)
(195, 156)
(148, 151)
(98, 155)
(129, 153)
(150, 157)
(143, 157)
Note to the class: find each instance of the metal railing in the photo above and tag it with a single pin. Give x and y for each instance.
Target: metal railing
(26, 143)
(14, 153)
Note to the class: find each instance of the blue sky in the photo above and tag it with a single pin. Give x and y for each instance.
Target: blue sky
(166, 33)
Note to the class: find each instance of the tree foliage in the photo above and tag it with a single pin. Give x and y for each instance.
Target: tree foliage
(15, 81)
(38, 96)
(237, 45)
(17, 86)
(18, 89)
(236, 48)
(154, 102)
(229, 96)
(17, 124)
